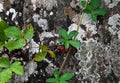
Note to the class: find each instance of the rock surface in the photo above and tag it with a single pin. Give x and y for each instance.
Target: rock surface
(98, 58)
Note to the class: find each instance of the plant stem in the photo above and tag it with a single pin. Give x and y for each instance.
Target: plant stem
(79, 23)
(61, 67)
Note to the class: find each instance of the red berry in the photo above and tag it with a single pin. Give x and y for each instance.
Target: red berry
(61, 48)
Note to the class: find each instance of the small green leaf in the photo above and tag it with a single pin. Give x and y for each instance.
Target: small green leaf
(95, 3)
(100, 11)
(94, 17)
(40, 56)
(52, 54)
(61, 40)
(19, 43)
(83, 3)
(67, 44)
(4, 62)
(74, 43)
(44, 48)
(87, 11)
(1, 44)
(3, 37)
(63, 33)
(72, 34)
(51, 80)
(10, 45)
(17, 68)
(56, 73)
(2, 81)
(3, 26)
(63, 81)
(5, 75)
(13, 32)
(89, 7)
(29, 32)
(66, 76)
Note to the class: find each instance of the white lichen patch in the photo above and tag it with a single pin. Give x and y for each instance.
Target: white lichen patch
(119, 35)
(50, 68)
(114, 22)
(43, 23)
(34, 47)
(11, 10)
(1, 7)
(111, 4)
(47, 35)
(81, 34)
(86, 19)
(90, 29)
(74, 3)
(36, 17)
(48, 4)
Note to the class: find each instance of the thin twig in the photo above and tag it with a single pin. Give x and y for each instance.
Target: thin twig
(61, 67)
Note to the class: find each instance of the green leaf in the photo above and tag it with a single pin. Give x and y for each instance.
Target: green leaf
(19, 43)
(72, 34)
(4, 62)
(94, 17)
(66, 76)
(44, 48)
(89, 7)
(51, 80)
(61, 40)
(3, 26)
(100, 11)
(1, 44)
(63, 33)
(74, 43)
(5, 75)
(83, 3)
(87, 11)
(29, 32)
(67, 44)
(52, 54)
(95, 3)
(63, 81)
(10, 45)
(17, 68)
(56, 73)
(13, 32)
(40, 56)
(2, 81)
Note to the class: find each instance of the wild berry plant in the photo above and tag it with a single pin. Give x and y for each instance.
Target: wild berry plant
(93, 9)
(68, 39)
(64, 78)
(7, 68)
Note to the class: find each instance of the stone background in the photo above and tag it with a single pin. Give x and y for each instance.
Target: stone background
(98, 58)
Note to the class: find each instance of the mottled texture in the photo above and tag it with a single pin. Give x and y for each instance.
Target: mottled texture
(96, 61)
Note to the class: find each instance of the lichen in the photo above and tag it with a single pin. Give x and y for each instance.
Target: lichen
(1, 7)
(99, 62)
(30, 68)
(34, 47)
(114, 22)
(111, 4)
(48, 4)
